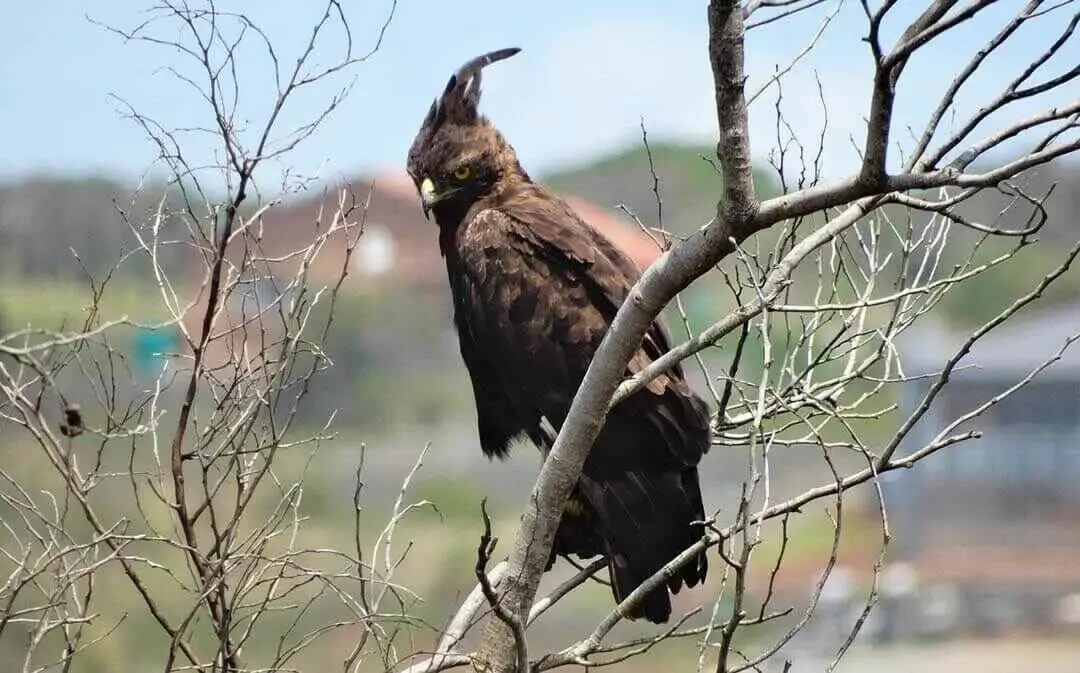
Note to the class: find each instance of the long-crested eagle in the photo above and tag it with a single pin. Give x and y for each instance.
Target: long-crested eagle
(534, 289)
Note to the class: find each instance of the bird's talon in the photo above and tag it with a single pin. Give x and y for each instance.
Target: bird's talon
(573, 507)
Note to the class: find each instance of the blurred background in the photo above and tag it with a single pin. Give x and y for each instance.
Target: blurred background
(981, 575)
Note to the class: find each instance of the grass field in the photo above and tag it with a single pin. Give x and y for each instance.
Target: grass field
(48, 303)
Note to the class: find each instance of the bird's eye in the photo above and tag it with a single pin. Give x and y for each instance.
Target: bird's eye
(462, 173)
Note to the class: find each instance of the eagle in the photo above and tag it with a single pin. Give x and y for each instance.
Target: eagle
(534, 289)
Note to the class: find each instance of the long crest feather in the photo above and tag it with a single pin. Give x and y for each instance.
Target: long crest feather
(460, 100)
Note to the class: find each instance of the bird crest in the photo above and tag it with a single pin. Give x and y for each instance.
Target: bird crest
(460, 99)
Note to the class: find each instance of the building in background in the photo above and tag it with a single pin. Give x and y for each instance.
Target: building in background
(991, 526)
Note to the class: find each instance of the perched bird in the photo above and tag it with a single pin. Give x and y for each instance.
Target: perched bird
(534, 289)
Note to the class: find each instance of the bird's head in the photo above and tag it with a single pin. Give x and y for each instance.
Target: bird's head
(457, 156)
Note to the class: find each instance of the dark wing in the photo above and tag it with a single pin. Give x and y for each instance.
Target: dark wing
(656, 341)
(499, 416)
(546, 229)
(543, 288)
(527, 319)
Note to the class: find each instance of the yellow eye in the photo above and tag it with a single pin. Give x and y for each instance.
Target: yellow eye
(462, 173)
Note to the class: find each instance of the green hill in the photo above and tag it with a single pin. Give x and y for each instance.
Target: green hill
(689, 183)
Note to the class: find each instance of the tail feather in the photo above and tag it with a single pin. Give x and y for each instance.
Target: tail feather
(695, 572)
(655, 606)
(645, 520)
(642, 498)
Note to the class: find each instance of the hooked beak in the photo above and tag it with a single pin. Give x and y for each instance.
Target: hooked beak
(428, 196)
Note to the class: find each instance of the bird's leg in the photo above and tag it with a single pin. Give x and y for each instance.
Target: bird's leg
(573, 506)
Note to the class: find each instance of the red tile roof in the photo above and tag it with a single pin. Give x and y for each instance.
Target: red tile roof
(395, 207)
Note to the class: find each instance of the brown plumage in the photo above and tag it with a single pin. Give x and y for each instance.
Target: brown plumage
(534, 289)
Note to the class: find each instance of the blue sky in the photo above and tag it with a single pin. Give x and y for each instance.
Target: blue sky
(588, 72)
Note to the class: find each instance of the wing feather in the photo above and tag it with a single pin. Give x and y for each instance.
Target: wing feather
(495, 415)
(588, 279)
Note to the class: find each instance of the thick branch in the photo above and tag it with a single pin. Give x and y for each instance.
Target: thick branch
(733, 149)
